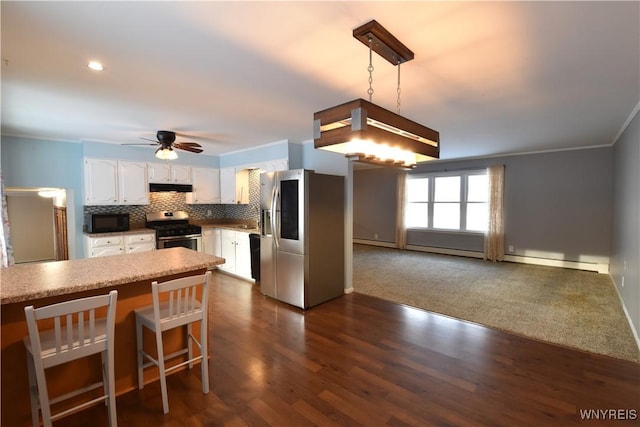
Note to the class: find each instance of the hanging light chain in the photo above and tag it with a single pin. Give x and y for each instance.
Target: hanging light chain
(370, 69)
(398, 101)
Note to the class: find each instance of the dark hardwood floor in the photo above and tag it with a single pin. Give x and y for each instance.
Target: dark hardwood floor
(358, 360)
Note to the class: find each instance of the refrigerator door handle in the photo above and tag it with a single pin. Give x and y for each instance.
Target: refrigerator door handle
(274, 216)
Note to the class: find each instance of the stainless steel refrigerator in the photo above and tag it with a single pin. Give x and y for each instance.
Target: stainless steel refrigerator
(302, 237)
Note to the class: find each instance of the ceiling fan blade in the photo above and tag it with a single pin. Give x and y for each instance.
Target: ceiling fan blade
(149, 139)
(188, 148)
(139, 143)
(189, 144)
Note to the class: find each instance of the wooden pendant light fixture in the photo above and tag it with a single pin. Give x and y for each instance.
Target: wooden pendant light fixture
(368, 133)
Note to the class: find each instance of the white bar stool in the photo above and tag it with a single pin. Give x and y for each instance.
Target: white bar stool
(182, 308)
(79, 335)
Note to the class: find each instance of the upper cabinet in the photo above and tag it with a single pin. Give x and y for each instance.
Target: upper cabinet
(234, 186)
(206, 186)
(160, 173)
(112, 182)
(133, 188)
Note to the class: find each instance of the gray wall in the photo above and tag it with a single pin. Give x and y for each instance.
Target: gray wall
(374, 204)
(557, 205)
(625, 241)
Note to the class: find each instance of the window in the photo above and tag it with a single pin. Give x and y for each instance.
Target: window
(448, 201)
(417, 210)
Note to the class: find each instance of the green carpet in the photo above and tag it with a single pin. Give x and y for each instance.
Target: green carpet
(574, 308)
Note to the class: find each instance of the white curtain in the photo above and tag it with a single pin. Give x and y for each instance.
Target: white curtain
(401, 228)
(494, 237)
(6, 251)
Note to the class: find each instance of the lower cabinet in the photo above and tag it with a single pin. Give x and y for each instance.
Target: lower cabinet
(121, 243)
(231, 245)
(135, 243)
(211, 241)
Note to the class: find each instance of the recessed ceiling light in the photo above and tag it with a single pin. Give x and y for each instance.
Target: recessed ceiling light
(96, 66)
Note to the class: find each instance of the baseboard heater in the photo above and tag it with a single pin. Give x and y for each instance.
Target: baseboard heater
(602, 268)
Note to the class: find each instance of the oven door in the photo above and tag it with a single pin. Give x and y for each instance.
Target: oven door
(193, 241)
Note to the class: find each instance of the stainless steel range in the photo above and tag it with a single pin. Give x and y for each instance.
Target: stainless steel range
(174, 230)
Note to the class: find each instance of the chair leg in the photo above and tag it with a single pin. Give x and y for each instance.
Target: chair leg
(204, 352)
(140, 359)
(105, 375)
(33, 392)
(189, 345)
(110, 380)
(163, 377)
(43, 397)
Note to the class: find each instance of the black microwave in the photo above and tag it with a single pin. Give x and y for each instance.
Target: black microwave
(106, 223)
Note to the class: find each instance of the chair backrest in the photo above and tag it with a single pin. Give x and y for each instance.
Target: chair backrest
(76, 331)
(182, 305)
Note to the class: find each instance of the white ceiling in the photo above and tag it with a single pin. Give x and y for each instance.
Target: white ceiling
(491, 77)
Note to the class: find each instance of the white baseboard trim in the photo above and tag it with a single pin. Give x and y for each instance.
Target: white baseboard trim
(445, 251)
(348, 290)
(634, 331)
(375, 243)
(577, 265)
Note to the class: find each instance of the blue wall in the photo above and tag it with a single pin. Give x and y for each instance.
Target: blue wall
(41, 163)
(35, 163)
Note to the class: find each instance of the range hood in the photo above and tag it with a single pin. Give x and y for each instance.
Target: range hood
(179, 188)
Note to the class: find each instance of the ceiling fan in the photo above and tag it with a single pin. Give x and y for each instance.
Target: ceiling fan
(166, 141)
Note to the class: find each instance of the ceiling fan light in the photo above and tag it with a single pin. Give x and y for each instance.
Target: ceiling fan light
(166, 154)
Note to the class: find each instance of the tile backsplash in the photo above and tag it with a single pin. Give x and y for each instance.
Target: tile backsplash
(177, 202)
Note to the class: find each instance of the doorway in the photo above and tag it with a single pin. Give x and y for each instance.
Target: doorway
(38, 224)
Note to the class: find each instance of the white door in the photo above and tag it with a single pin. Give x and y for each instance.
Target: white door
(141, 247)
(211, 240)
(159, 173)
(100, 182)
(134, 187)
(106, 251)
(180, 174)
(206, 186)
(228, 249)
(243, 255)
(228, 185)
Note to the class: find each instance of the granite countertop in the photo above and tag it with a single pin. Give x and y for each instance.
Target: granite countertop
(236, 227)
(247, 226)
(28, 282)
(140, 230)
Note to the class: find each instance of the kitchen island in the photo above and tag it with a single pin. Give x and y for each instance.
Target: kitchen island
(48, 283)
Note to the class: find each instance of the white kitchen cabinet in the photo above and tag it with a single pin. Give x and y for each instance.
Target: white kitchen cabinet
(206, 186)
(136, 243)
(211, 240)
(235, 250)
(104, 246)
(243, 255)
(133, 188)
(114, 182)
(181, 174)
(100, 182)
(234, 186)
(163, 173)
(119, 243)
